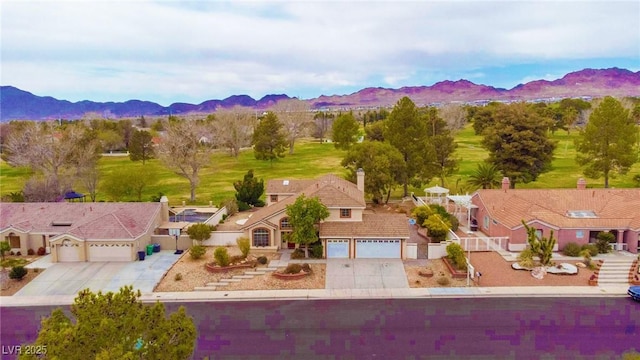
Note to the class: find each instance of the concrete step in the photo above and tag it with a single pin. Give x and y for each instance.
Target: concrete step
(217, 284)
(242, 277)
(230, 280)
(612, 281)
(255, 272)
(618, 261)
(204, 288)
(613, 276)
(269, 269)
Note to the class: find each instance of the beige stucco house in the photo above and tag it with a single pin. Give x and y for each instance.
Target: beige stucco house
(80, 231)
(348, 232)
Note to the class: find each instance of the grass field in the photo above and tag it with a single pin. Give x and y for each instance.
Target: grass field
(312, 159)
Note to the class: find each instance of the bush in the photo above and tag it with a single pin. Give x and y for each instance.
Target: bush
(31, 252)
(593, 249)
(259, 203)
(571, 249)
(178, 277)
(222, 256)
(224, 217)
(604, 240)
(197, 251)
(306, 268)
(11, 253)
(18, 253)
(244, 244)
(243, 206)
(453, 250)
(421, 213)
(293, 269)
(231, 205)
(297, 254)
(41, 251)
(437, 228)
(263, 260)
(525, 259)
(317, 250)
(443, 280)
(17, 272)
(455, 223)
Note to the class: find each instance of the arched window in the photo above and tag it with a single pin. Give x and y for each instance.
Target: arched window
(260, 237)
(284, 223)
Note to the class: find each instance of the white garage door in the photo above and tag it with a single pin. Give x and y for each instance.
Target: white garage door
(68, 253)
(109, 252)
(337, 248)
(378, 249)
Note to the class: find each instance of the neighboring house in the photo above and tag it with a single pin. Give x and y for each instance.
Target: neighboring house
(81, 231)
(574, 215)
(348, 232)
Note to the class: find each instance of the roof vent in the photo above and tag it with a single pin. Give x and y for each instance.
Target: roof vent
(285, 182)
(61, 223)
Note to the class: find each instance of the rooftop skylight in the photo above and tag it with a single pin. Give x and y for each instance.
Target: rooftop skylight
(580, 214)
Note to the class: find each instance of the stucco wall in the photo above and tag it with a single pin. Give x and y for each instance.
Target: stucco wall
(334, 215)
(224, 238)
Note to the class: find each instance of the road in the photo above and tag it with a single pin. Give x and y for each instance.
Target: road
(396, 328)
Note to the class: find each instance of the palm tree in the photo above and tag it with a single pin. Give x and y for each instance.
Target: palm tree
(486, 176)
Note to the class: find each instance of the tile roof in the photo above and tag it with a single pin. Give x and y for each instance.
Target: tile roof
(371, 226)
(333, 191)
(614, 208)
(99, 221)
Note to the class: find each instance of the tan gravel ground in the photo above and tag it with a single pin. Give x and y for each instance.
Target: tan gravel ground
(495, 272)
(194, 273)
(315, 280)
(12, 286)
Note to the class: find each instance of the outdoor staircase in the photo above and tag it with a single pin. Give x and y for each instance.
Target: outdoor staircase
(615, 271)
(235, 279)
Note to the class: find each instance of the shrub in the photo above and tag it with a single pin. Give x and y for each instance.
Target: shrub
(586, 254)
(455, 223)
(421, 213)
(453, 250)
(243, 206)
(593, 249)
(460, 262)
(437, 228)
(199, 232)
(224, 217)
(306, 268)
(41, 251)
(604, 240)
(525, 259)
(571, 249)
(263, 260)
(11, 253)
(244, 244)
(222, 256)
(31, 252)
(197, 251)
(18, 253)
(293, 268)
(178, 277)
(17, 272)
(443, 280)
(317, 250)
(231, 205)
(297, 254)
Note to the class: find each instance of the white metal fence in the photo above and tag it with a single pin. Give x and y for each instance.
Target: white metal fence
(484, 243)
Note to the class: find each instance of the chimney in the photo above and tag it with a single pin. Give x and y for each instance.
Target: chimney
(506, 184)
(582, 184)
(360, 179)
(164, 211)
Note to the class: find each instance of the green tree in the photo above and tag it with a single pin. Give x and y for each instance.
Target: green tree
(249, 190)
(116, 326)
(486, 176)
(541, 247)
(199, 232)
(345, 131)
(382, 164)
(437, 227)
(269, 142)
(443, 144)
(128, 183)
(4, 247)
(483, 117)
(141, 146)
(604, 241)
(608, 143)
(304, 215)
(407, 132)
(518, 143)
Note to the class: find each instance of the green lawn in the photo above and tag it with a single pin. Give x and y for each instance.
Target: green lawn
(312, 159)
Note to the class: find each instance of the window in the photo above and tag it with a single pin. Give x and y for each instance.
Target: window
(260, 237)
(485, 222)
(274, 198)
(284, 223)
(579, 234)
(14, 241)
(345, 213)
(539, 234)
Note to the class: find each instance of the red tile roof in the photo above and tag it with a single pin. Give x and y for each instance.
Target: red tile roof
(99, 221)
(613, 208)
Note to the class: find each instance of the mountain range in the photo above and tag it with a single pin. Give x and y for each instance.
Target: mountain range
(17, 104)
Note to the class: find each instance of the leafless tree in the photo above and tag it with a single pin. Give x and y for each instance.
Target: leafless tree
(297, 118)
(454, 114)
(183, 151)
(234, 128)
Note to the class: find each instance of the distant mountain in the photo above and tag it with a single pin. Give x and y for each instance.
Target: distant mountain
(20, 104)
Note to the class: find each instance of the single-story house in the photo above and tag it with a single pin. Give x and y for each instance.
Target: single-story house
(81, 231)
(575, 215)
(348, 232)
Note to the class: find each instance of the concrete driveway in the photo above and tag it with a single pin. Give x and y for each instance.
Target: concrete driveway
(70, 278)
(365, 274)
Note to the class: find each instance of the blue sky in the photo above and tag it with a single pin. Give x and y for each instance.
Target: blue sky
(171, 51)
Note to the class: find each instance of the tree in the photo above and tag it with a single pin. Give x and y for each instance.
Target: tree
(541, 246)
(375, 131)
(129, 183)
(4, 247)
(86, 156)
(116, 326)
(604, 240)
(269, 142)
(483, 117)
(249, 190)
(110, 139)
(141, 146)
(234, 128)
(199, 232)
(437, 227)
(382, 164)
(304, 214)
(608, 144)
(345, 131)
(183, 151)
(455, 115)
(443, 144)
(518, 143)
(323, 121)
(407, 132)
(296, 117)
(486, 176)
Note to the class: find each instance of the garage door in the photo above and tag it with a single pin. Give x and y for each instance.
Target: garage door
(337, 248)
(109, 252)
(378, 249)
(68, 252)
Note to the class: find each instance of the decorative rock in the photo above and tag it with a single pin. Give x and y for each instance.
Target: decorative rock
(581, 265)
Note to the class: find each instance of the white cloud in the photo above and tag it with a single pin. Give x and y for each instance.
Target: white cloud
(198, 50)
